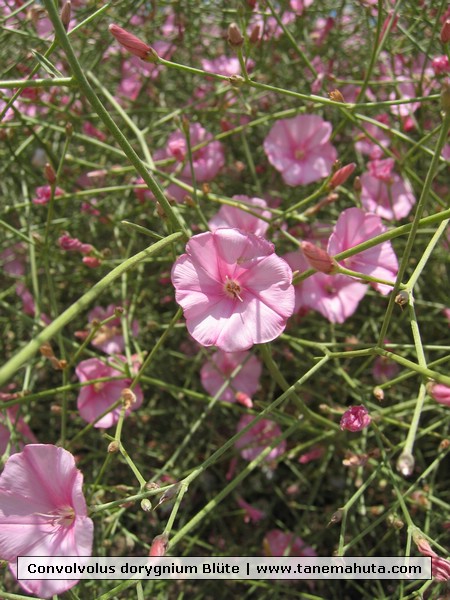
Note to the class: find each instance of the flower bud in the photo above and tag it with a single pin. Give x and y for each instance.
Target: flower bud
(336, 96)
(341, 175)
(254, 35)
(405, 464)
(132, 43)
(146, 505)
(49, 173)
(159, 545)
(65, 14)
(438, 391)
(319, 259)
(235, 38)
(445, 32)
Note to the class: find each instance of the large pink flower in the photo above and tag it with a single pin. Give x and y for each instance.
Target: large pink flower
(234, 290)
(353, 227)
(219, 368)
(94, 399)
(389, 199)
(43, 512)
(300, 149)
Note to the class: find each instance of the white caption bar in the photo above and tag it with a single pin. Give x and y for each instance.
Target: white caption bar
(96, 567)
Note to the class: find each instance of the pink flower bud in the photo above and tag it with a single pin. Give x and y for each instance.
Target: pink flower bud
(244, 399)
(318, 259)
(445, 32)
(159, 545)
(342, 175)
(355, 418)
(132, 43)
(235, 38)
(92, 261)
(440, 392)
(71, 244)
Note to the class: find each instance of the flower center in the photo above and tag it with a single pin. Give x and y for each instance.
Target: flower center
(299, 154)
(232, 289)
(63, 516)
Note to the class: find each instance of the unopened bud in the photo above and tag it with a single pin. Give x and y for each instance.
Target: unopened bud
(378, 393)
(445, 98)
(69, 130)
(445, 32)
(235, 38)
(402, 298)
(159, 545)
(65, 14)
(118, 311)
(254, 35)
(244, 399)
(336, 517)
(357, 185)
(319, 259)
(146, 505)
(341, 175)
(133, 44)
(113, 447)
(405, 464)
(336, 96)
(236, 80)
(394, 522)
(49, 173)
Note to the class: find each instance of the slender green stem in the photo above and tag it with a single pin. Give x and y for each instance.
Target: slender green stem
(104, 115)
(26, 353)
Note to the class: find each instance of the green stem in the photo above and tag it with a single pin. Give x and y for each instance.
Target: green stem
(415, 225)
(26, 353)
(104, 115)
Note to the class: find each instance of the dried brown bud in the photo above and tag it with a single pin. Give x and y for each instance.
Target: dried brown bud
(113, 447)
(46, 350)
(128, 398)
(235, 38)
(336, 96)
(402, 298)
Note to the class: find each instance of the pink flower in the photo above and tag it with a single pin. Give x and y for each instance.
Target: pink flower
(336, 297)
(43, 512)
(440, 567)
(109, 337)
(261, 435)
(12, 260)
(207, 161)
(71, 244)
(300, 149)
(234, 290)
(251, 514)
(439, 392)
(230, 216)
(278, 543)
(315, 453)
(215, 372)
(355, 418)
(389, 200)
(384, 369)
(366, 146)
(43, 194)
(354, 227)
(94, 399)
